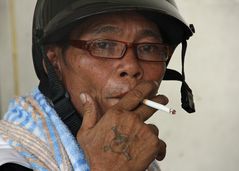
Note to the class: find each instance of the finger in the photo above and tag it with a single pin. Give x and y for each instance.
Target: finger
(134, 97)
(89, 111)
(154, 129)
(162, 150)
(145, 112)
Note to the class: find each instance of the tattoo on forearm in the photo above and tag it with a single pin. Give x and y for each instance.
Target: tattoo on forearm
(119, 144)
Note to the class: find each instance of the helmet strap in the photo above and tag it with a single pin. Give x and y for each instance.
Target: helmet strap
(186, 92)
(60, 99)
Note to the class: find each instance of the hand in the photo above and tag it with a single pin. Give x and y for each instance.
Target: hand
(120, 140)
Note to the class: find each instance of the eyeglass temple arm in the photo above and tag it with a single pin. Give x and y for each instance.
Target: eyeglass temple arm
(79, 43)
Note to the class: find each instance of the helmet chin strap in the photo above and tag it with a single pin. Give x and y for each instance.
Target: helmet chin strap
(59, 98)
(186, 92)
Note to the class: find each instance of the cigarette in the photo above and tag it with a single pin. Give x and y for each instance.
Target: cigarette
(158, 106)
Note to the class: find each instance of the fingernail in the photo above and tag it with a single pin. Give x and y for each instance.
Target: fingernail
(83, 98)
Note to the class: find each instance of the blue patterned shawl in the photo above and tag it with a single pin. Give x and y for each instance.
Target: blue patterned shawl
(33, 128)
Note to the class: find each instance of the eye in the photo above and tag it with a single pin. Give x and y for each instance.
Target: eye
(149, 48)
(104, 44)
(152, 52)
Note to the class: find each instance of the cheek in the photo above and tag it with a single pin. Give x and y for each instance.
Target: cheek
(154, 71)
(86, 74)
(82, 68)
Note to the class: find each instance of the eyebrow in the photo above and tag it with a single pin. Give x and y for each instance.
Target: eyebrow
(150, 33)
(115, 30)
(107, 29)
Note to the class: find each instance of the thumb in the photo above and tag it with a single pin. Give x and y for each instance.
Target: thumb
(89, 110)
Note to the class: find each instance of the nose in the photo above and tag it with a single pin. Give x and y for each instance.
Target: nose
(130, 66)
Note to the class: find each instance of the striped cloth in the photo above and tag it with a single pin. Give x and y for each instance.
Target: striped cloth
(33, 128)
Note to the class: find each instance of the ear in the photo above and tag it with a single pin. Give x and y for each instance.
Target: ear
(54, 55)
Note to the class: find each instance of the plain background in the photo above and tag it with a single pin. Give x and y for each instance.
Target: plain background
(204, 141)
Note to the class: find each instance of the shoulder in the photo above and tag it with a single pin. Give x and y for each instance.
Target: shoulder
(9, 155)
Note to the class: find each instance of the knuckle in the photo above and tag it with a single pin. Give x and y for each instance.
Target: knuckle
(155, 142)
(163, 144)
(152, 133)
(151, 88)
(116, 111)
(147, 129)
(137, 94)
(152, 85)
(164, 100)
(88, 109)
(161, 150)
(114, 114)
(154, 129)
(133, 117)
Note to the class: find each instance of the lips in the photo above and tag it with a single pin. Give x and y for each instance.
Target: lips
(116, 89)
(117, 95)
(114, 98)
(120, 95)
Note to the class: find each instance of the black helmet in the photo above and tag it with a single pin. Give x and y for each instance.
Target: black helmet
(65, 13)
(54, 18)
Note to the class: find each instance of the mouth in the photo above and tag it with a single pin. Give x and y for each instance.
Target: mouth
(120, 95)
(117, 95)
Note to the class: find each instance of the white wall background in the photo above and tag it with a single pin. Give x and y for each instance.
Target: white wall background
(204, 141)
(15, 17)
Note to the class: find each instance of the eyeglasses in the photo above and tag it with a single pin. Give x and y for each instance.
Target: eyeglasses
(112, 49)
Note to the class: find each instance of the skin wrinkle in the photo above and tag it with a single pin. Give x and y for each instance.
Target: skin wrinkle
(111, 29)
(81, 74)
(94, 26)
(118, 104)
(151, 33)
(107, 29)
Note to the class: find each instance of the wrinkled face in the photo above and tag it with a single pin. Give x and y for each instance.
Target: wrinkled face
(107, 80)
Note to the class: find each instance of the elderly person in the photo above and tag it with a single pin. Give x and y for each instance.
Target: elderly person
(97, 61)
